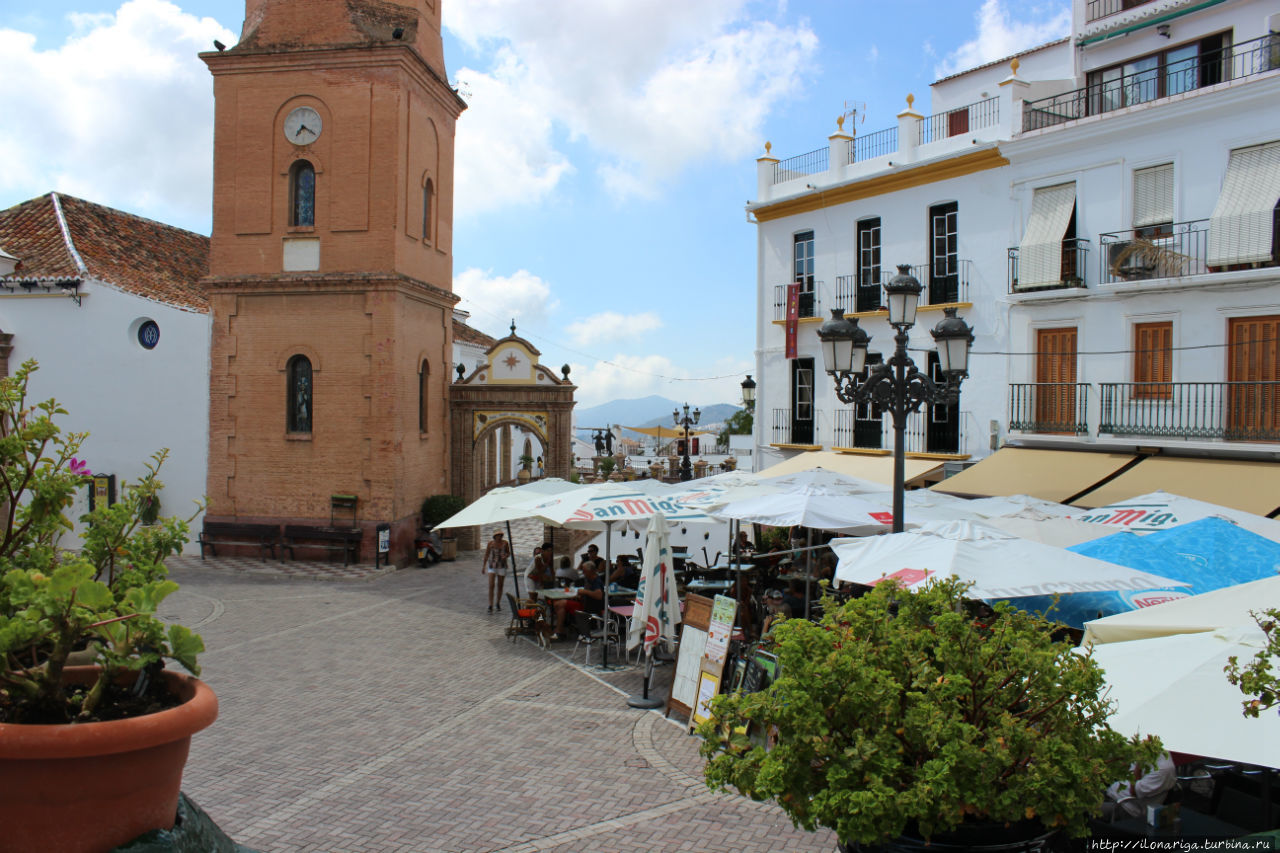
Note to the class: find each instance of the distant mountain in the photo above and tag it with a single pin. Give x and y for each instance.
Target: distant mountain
(653, 410)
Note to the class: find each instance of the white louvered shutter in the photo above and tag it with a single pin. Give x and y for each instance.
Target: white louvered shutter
(1153, 196)
(1241, 225)
(1040, 254)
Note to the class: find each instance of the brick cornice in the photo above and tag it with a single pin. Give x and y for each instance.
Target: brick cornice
(285, 283)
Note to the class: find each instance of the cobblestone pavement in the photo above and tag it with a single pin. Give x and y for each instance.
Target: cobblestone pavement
(392, 715)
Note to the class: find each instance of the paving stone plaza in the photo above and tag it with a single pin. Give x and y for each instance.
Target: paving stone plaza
(385, 712)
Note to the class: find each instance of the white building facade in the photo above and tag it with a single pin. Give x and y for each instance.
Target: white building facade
(1101, 210)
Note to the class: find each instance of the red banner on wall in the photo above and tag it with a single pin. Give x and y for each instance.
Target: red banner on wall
(793, 317)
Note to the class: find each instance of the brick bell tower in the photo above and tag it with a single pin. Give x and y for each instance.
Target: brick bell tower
(330, 273)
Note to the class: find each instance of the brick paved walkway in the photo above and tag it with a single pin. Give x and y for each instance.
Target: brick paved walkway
(392, 715)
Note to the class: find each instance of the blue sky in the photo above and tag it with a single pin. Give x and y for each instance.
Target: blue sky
(603, 163)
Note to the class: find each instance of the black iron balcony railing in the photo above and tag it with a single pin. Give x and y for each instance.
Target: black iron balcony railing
(1095, 10)
(858, 293)
(1232, 62)
(1049, 407)
(945, 281)
(810, 303)
(802, 164)
(960, 121)
(780, 432)
(1234, 411)
(1157, 251)
(925, 432)
(789, 429)
(1069, 274)
(870, 145)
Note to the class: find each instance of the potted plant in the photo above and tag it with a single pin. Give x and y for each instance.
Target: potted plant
(90, 756)
(526, 468)
(912, 715)
(436, 509)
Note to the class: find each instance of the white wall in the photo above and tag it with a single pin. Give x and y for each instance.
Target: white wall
(130, 400)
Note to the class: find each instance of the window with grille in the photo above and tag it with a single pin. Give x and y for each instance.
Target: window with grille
(302, 194)
(298, 404)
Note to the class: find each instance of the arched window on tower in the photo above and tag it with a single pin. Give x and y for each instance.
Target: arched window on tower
(428, 191)
(424, 394)
(298, 404)
(302, 194)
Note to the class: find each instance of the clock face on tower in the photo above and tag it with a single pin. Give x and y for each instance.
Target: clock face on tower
(302, 126)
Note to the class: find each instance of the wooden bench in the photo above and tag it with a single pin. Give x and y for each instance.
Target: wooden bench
(344, 539)
(265, 536)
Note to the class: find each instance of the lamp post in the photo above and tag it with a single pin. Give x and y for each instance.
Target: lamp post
(896, 385)
(749, 393)
(686, 468)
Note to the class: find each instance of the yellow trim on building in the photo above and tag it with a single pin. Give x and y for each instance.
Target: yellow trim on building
(883, 312)
(797, 446)
(895, 181)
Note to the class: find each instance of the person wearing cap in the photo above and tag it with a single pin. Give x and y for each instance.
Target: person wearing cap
(496, 556)
(778, 613)
(590, 597)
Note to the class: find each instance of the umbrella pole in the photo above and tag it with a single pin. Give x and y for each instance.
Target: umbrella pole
(808, 568)
(645, 700)
(515, 569)
(608, 567)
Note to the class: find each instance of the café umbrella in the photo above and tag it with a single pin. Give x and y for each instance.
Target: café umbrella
(657, 608)
(1163, 510)
(999, 565)
(1229, 607)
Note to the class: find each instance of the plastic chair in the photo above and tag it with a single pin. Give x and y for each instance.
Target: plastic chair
(525, 616)
(592, 631)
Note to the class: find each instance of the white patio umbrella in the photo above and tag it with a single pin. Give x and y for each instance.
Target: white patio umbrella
(657, 608)
(1014, 505)
(809, 507)
(1174, 687)
(1059, 531)
(508, 503)
(1000, 565)
(1221, 608)
(1162, 510)
(922, 505)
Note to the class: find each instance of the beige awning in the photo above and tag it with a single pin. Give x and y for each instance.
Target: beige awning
(1053, 475)
(1236, 483)
(667, 432)
(877, 468)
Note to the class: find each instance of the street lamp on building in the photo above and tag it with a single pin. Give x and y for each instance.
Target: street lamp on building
(896, 385)
(686, 468)
(749, 393)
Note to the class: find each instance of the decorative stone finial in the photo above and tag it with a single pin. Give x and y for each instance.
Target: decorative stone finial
(564, 371)
(840, 122)
(513, 327)
(1014, 66)
(768, 147)
(911, 99)
(461, 370)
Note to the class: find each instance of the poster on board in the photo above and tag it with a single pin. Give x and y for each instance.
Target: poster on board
(708, 687)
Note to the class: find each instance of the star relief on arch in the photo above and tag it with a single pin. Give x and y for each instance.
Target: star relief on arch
(511, 360)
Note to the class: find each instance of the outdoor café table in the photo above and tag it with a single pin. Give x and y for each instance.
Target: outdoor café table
(708, 586)
(559, 594)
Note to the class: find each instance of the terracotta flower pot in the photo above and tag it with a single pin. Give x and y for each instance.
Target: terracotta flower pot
(89, 787)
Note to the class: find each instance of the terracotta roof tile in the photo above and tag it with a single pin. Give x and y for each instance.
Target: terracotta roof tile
(467, 335)
(136, 255)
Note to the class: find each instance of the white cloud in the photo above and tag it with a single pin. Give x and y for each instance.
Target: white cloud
(628, 376)
(612, 326)
(521, 295)
(649, 92)
(873, 53)
(121, 113)
(999, 36)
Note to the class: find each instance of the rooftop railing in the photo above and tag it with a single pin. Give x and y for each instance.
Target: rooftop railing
(960, 121)
(801, 165)
(1233, 62)
(871, 145)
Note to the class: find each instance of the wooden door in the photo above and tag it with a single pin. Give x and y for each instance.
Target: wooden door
(1055, 398)
(1253, 404)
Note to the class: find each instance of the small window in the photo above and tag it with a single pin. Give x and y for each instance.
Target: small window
(427, 193)
(1153, 361)
(149, 334)
(302, 194)
(424, 394)
(299, 402)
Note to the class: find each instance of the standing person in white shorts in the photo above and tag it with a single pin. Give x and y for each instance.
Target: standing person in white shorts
(496, 557)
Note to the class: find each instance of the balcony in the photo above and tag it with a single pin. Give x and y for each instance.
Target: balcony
(858, 293)
(960, 121)
(1178, 250)
(786, 429)
(810, 300)
(1231, 411)
(863, 293)
(1096, 10)
(854, 427)
(1059, 408)
(1232, 62)
(1070, 271)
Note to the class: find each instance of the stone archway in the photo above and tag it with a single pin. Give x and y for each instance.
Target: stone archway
(511, 391)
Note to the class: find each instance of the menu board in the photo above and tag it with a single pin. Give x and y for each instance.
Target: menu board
(693, 642)
(722, 613)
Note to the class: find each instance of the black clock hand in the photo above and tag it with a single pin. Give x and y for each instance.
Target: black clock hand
(301, 129)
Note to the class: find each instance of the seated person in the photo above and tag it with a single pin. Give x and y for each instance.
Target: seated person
(778, 612)
(540, 574)
(1130, 797)
(593, 554)
(590, 597)
(625, 574)
(565, 572)
(743, 544)
(794, 596)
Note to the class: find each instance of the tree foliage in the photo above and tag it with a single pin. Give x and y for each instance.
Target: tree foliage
(739, 423)
(1256, 679)
(905, 709)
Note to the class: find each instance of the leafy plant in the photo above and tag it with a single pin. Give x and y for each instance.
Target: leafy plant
(1256, 679)
(100, 600)
(739, 423)
(437, 508)
(607, 464)
(526, 461)
(907, 711)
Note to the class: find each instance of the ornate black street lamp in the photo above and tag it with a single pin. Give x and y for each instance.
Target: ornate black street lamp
(896, 385)
(686, 468)
(749, 393)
